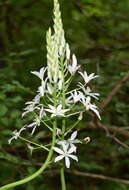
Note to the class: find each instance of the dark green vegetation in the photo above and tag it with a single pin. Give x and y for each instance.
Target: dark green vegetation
(98, 33)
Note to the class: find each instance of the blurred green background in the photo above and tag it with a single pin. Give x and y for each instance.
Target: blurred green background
(98, 33)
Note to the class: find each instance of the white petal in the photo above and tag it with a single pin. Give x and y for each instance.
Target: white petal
(33, 130)
(41, 113)
(65, 146)
(74, 60)
(88, 99)
(70, 69)
(59, 107)
(41, 90)
(60, 84)
(24, 113)
(67, 162)
(22, 129)
(58, 150)
(60, 142)
(10, 140)
(58, 158)
(36, 73)
(32, 124)
(96, 112)
(65, 110)
(49, 88)
(67, 51)
(72, 149)
(73, 136)
(73, 157)
(48, 110)
(42, 71)
(81, 74)
(51, 107)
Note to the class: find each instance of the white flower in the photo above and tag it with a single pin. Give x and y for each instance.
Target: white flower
(41, 73)
(73, 68)
(56, 111)
(29, 108)
(86, 102)
(65, 154)
(88, 92)
(34, 124)
(16, 134)
(71, 141)
(76, 96)
(31, 105)
(86, 77)
(36, 121)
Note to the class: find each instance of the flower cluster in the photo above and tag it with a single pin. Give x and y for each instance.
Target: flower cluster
(55, 96)
(67, 148)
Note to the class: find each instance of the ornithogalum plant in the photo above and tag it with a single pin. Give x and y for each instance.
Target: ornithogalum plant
(57, 101)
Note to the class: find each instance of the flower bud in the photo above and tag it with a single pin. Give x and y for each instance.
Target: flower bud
(87, 140)
(80, 116)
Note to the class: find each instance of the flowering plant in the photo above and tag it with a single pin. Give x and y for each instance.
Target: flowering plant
(56, 101)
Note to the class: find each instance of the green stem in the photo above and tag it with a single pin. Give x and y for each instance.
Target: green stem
(62, 175)
(43, 167)
(63, 185)
(36, 144)
(46, 125)
(70, 129)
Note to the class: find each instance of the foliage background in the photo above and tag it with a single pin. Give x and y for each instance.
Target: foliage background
(98, 33)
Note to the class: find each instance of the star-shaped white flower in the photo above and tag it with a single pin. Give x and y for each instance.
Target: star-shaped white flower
(16, 134)
(56, 111)
(34, 124)
(41, 73)
(71, 141)
(76, 95)
(32, 105)
(86, 77)
(86, 102)
(87, 91)
(74, 67)
(37, 120)
(66, 154)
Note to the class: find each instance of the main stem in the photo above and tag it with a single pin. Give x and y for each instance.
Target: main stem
(63, 184)
(62, 175)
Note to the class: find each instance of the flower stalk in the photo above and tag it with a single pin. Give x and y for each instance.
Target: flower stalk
(57, 99)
